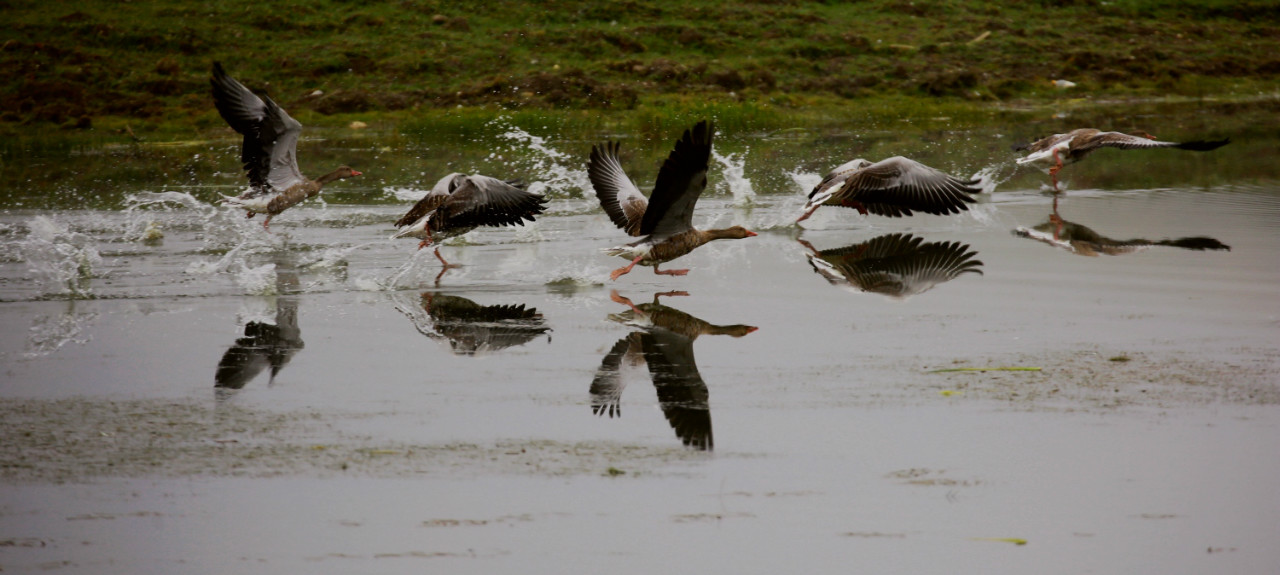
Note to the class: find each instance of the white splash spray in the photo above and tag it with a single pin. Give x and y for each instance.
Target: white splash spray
(60, 261)
(49, 333)
(535, 156)
(733, 167)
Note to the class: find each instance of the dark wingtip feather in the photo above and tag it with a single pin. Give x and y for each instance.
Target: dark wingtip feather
(1203, 145)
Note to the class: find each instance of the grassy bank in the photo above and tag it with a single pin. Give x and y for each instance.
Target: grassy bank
(145, 63)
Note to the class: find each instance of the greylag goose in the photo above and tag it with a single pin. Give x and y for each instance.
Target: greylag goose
(665, 344)
(269, 151)
(664, 221)
(1058, 150)
(893, 187)
(473, 329)
(459, 203)
(896, 265)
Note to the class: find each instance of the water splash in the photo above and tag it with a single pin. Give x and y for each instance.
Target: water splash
(404, 194)
(392, 281)
(733, 170)
(992, 176)
(49, 333)
(259, 280)
(60, 261)
(221, 228)
(333, 258)
(532, 154)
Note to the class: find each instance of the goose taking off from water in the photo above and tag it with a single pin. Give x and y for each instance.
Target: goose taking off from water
(665, 220)
(1058, 150)
(269, 151)
(894, 187)
(459, 203)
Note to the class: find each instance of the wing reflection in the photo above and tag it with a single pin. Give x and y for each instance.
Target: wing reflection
(896, 265)
(664, 341)
(1083, 241)
(474, 329)
(265, 344)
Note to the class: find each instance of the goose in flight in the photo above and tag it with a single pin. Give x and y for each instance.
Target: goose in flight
(664, 222)
(1058, 150)
(269, 151)
(893, 187)
(459, 203)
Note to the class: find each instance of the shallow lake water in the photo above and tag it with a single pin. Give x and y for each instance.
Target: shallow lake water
(184, 392)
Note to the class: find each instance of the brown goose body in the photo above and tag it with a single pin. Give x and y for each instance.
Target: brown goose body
(893, 187)
(684, 242)
(665, 220)
(1058, 150)
(269, 150)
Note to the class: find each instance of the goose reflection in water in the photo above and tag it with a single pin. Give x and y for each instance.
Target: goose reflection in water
(664, 342)
(265, 344)
(471, 328)
(1083, 241)
(896, 265)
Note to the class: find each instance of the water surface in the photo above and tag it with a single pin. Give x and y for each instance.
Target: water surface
(183, 391)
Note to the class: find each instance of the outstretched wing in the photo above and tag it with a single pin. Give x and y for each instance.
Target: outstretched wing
(618, 195)
(898, 185)
(280, 136)
(1131, 142)
(485, 201)
(680, 182)
(270, 134)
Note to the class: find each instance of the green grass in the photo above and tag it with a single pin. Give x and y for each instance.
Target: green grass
(145, 63)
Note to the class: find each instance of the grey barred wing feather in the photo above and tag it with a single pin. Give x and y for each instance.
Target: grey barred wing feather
(280, 136)
(619, 197)
(486, 201)
(270, 134)
(245, 112)
(898, 185)
(1130, 142)
(681, 180)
